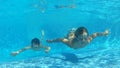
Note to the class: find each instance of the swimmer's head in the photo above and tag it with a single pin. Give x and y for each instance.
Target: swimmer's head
(81, 32)
(35, 43)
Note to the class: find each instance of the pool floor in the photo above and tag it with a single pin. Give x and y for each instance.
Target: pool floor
(106, 58)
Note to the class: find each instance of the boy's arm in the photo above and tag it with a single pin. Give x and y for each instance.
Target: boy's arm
(21, 50)
(94, 35)
(57, 40)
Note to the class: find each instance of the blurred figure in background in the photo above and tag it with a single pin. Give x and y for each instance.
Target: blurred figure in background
(36, 45)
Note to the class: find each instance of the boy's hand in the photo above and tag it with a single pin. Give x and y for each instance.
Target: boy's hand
(14, 53)
(106, 32)
(48, 49)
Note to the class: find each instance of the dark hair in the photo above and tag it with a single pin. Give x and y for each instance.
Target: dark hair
(35, 41)
(80, 31)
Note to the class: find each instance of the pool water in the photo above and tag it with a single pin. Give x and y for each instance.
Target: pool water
(23, 20)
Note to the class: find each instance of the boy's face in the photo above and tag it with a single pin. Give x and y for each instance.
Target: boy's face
(84, 33)
(35, 45)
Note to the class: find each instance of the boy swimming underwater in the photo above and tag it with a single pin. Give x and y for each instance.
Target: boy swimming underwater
(35, 45)
(78, 38)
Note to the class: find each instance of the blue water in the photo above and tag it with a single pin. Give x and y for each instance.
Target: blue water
(22, 20)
